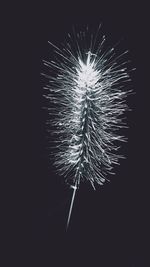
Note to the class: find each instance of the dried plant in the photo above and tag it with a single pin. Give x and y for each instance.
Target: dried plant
(87, 93)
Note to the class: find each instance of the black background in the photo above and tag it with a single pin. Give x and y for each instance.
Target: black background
(108, 226)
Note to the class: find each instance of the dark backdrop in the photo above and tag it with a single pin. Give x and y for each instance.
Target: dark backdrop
(108, 226)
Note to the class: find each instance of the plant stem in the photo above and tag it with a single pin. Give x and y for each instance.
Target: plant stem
(72, 201)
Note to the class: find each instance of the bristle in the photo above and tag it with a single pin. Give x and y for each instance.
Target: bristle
(87, 97)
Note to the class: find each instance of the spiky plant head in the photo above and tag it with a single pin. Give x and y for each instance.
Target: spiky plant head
(87, 98)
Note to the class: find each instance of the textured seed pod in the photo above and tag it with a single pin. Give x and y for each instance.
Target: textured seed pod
(87, 96)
